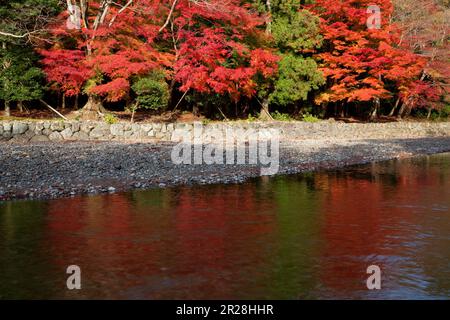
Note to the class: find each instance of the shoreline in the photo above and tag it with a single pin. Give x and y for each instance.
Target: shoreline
(47, 170)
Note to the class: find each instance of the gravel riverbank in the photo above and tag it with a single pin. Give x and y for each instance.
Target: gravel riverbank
(45, 170)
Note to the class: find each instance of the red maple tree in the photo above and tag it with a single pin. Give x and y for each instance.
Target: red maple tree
(65, 68)
(217, 56)
(115, 44)
(364, 64)
(202, 45)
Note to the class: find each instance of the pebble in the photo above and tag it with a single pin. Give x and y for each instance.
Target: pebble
(87, 167)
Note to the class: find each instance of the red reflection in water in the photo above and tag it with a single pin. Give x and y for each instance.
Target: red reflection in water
(188, 249)
(367, 222)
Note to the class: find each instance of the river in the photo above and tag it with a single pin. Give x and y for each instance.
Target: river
(306, 236)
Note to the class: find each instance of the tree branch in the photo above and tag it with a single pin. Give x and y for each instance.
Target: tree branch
(84, 8)
(51, 108)
(104, 7)
(169, 16)
(12, 35)
(119, 12)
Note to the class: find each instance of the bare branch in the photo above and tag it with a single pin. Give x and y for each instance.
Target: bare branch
(169, 16)
(101, 14)
(53, 109)
(6, 34)
(84, 8)
(21, 36)
(120, 11)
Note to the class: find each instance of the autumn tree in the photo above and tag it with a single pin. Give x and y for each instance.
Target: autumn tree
(424, 31)
(219, 49)
(361, 63)
(115, 42)
(208, 47)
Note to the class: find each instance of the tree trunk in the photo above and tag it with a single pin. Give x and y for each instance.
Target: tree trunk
(269, 21)
(402, 109)
(7, 109)
(76, 102)
(20, 106)
(376, 106)
(93, 110)
(429, 113)
(133, 109)
(171, 93)
(408, 111)
(395, 107)
(195, 110)
(63, 105)
(374, 113)
(132, 115)
(264, 114)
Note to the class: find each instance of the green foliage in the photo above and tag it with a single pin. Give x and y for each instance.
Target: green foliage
(445, 112)
(20, 77)
(296, 34)
(92, 82)
(20, 80)
(281, 116)
(110, 118)
(310, 118)
(296, 31)
(297, 77)
(152, 91)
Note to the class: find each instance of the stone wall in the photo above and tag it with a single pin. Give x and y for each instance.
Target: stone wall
(35, 131)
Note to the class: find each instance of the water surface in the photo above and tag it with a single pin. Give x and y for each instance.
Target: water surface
(308, 236)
